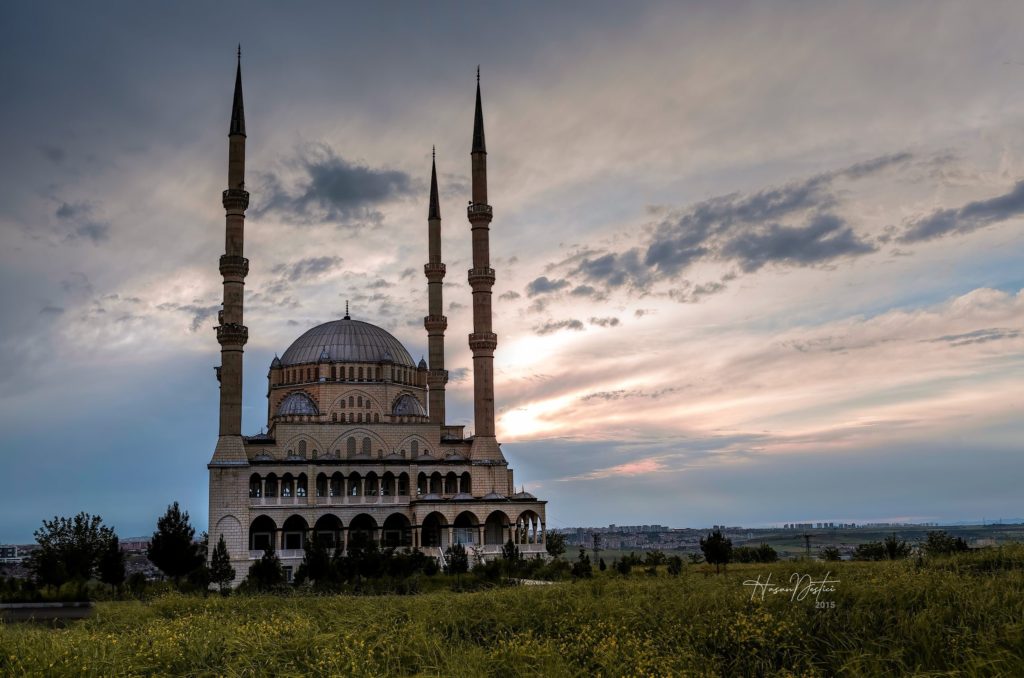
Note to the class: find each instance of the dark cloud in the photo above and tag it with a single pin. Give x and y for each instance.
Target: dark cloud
(824, 238)
(868, 167)
(51, 310)
(77, 283)
(198, 312)
(510, 295)
(977, 336)
(53, 154)
(379, 283)
(309, 268)
(588, 291)
(455, 306)
(408, 273)
(77, 222)
(543, 285)
(555, 326)
(332, 189)
(751, 230)
(641, 312)
(692, 294)
(604, 322)
(970, 217)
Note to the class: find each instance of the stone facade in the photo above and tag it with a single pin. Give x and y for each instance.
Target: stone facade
(356, 437)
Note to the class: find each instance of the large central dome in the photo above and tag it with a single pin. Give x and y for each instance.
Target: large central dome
(347, 340)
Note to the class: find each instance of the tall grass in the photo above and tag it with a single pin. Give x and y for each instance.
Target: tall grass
(959, 616)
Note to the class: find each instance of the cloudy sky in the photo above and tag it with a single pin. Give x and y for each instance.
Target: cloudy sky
(757, 263)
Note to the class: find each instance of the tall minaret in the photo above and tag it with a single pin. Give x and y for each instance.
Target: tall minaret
(231, 332)
(435, 322)
(483, 340)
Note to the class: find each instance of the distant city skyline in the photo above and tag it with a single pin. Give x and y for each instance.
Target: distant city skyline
(753, 264)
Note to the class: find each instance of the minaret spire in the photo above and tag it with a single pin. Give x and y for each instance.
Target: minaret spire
(435, 323)
(434, 211)
(232, 334)
(478, 120)
(237, 109)
(483, 340)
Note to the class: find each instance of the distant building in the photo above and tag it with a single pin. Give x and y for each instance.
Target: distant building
(10, 554)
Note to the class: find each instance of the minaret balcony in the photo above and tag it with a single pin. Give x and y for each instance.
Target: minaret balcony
(235, 200)
(481, 277)
(234, 267)
(485, 341)
(435, 323)
(479, 210)
(437, 378)
(434, 272)
(232, 334)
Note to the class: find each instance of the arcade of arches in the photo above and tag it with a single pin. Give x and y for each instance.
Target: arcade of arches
(396, 530)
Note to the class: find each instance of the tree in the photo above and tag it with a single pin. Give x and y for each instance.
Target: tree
(895, 548)
(940, 543)
(554, 543)
(511, 557)
(675, 565)
(654, 558)
(582, 569)
(717, 549)
(266, 573)
(458, 559)
(872, 550)
(830, 553)
(172, 547)
(316, 562)
(601, 565)
(111, 563)
(69, 549)
(221, 572)
(623, 566)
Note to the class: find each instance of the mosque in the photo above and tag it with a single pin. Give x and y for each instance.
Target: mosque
(357, 441)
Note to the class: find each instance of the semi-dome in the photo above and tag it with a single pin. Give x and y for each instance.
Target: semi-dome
(347, 340)
(297, 403)
(407, 406)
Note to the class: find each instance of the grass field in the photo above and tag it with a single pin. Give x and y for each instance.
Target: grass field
(960, 616)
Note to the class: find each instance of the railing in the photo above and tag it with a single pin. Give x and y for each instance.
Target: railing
(476, 209)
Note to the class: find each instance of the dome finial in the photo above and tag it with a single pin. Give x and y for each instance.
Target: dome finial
(347, 317)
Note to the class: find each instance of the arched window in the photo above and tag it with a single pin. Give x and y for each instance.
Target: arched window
(314, 454)
(302, 449)
(255, 487)
(367, 403)
(334, 416)
(351, 373)
(334, 372)
(359, 401)
(415, 446)
(351, 447)
(351, 401)
(378, 374)
(366, 446)
(300, 485)
(376, 418)
(359, 418)
(360, 374)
